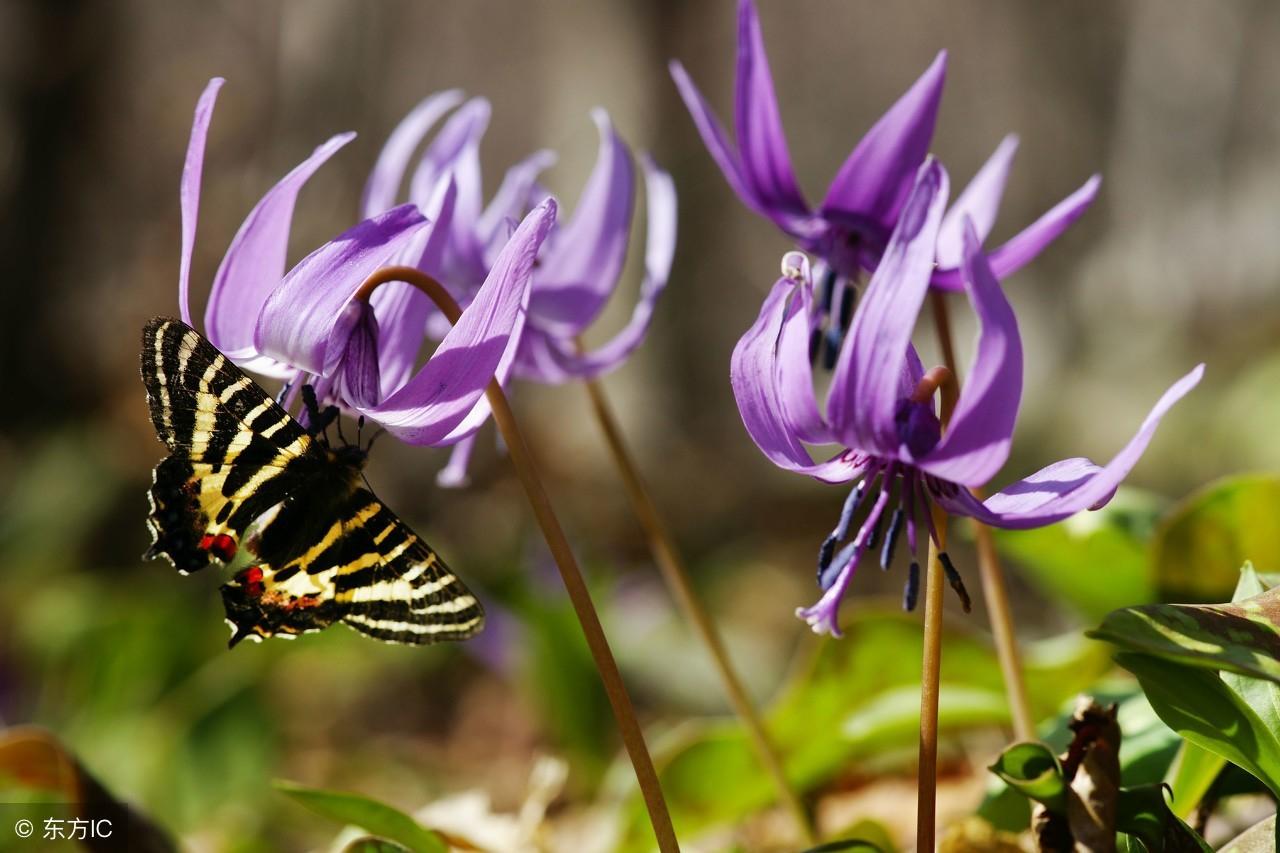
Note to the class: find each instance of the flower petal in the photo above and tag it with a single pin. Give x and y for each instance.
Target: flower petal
(1032, 240)
(583, 262)
(799, 406)
(976, 443)
(512, 199)
(439, 397)
(566, 362)
(762, 145)
(383, 187)
(454, 474)
(402, 310)
(456, 151)
(357, 380)
(189, 190)
(713, 136)
(255, 263)
(300, 317)
(865, 391)
(754, 375)
(979, 202)
(876, 179)
(1067, 487)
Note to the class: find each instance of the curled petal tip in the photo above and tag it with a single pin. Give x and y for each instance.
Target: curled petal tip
(795, 266)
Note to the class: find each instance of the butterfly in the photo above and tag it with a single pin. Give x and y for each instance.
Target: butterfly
(249, 484)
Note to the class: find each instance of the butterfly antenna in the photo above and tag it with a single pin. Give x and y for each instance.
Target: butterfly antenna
(341, 437)
(359, 429)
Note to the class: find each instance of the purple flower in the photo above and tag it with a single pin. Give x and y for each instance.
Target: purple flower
(580, 264)
(850, 229)
(892, 444)
(305, 326)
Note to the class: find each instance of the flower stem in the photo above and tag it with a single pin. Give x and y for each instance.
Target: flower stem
(943, 379)
(994, 589)
(676, 576)
(927, 796)
(620, 701)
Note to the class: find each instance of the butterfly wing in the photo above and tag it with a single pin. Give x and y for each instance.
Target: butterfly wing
(367, 570)
(236, 453)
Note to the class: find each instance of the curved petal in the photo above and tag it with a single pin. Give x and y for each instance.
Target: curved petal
(976, 443)
(437, 399)
(864, 394)
(1067, 487)
(566, 362)
(402, 310)
(799, 406)
(301, 319)
(753, 373)
(454, 474)
(512, 199)
(713, 136)
(979, 202)
(357, 379)
(876, 179)
(254, 264)
(189, 190)
(1032, 240)
(383, 186)
(456, 151)
(581, 267)
(762, 145)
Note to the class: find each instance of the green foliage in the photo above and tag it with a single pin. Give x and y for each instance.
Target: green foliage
(1242, 638)
(1200, 545)
(856, 699)
(1034, 771)
(374, 845)
(370, 815)
(1192, 772)
(1093, 561)
(1210, 672)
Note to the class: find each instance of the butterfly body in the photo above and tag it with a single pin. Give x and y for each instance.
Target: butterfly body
(246, 481)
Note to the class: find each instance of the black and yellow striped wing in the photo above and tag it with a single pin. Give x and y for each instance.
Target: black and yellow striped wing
(246, 482)
(367, 570)
(232, 447)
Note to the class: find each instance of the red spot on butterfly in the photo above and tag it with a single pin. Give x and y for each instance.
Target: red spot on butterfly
(251, 579)
(221, 546)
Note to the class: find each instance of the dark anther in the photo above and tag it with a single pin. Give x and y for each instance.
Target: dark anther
(874, 538)
(828, 290)
(953, 578)
(310, 403)
(831, 352)
(815, 345)
(912, 589)
(891, 540)
(847, 298)
(825, 553)
(827, 576)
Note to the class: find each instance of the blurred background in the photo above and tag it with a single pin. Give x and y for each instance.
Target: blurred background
(1177, 104)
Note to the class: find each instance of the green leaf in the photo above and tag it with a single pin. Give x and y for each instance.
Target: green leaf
(374, 845)
(1242, 637)
(1093, 561)
(370, 815)
(1199, 706)
(1192, 772)
(1199, 545)
(1033, 770)
(1144, 813)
